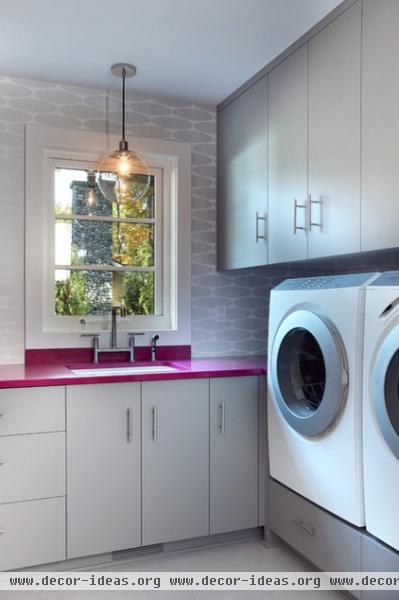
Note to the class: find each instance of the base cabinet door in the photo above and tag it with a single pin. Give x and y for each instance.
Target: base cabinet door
(103, 468)
(234, 406)
(175, 460)
(32, 533)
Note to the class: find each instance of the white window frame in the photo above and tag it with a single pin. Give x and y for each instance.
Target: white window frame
(47, 148)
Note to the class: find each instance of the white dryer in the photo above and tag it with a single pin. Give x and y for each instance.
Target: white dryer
(381, 408)
(315, 352)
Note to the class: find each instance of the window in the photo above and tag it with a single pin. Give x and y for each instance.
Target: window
(105, 253)
(85, 254)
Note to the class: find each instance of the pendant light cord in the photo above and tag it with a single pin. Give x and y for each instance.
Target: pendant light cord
(123, 103)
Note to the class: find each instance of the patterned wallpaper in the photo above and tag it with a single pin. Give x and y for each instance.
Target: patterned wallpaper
(242, 294)
(59, 105)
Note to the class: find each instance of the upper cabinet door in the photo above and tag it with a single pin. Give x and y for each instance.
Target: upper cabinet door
(334, 136)
(380, 127)
(242, 175)
(288, 147)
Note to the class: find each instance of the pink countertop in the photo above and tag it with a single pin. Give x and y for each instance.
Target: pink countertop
(13, 376)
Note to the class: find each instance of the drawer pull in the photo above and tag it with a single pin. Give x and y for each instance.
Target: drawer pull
(222, 418)
(154, 424)
(257, 234)
(129, 425)
(303, 526)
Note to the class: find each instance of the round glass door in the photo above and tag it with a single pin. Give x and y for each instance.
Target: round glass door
(386, 390)
(301, 371)
(308, 373)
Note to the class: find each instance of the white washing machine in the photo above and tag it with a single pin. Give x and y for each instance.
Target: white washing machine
(381, 408)
(315, 353)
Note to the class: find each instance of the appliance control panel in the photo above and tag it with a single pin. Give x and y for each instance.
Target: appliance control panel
(388, 279)
(328, 282)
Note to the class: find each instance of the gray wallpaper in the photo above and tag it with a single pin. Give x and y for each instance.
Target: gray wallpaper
(242, 295)
(57, 105)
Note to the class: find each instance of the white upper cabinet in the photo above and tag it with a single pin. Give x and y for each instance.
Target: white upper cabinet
(313, 154)
(334, 136)
(288, 147)
(380, 125)
(242, 173)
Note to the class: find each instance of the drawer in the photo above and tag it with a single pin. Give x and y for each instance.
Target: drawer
(323, 539)
(32, 533)
(32, 410)
(32, 466)
(378, 557)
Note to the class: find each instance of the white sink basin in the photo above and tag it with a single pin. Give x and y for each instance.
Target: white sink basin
(139, 370)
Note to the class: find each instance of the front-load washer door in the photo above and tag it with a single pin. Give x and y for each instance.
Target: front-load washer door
(308, 374)
(385, 382)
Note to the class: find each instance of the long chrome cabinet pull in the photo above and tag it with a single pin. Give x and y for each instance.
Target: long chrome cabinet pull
(296, 206)
(302, 525)
(258, 218)
(311, 223)
(222, 418)
(154, 423)
(129, 425)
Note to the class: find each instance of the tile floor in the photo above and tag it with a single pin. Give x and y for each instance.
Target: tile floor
(249, 555)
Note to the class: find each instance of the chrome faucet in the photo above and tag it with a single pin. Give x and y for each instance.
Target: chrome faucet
(114, 346)
(114, 311)
(154, 340)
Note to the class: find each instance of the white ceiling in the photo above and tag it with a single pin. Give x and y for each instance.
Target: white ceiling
(195, 49)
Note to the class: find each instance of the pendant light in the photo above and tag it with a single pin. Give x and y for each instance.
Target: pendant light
(123, 177)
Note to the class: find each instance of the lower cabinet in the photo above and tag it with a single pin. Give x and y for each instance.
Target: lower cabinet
(146, 462)
(175, 471)
(32, 533)
(234, 409)
(103, 468)
(378, 557)
(325, 540)
(32, 476)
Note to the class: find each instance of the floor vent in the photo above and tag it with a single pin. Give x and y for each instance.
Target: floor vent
(131, 553)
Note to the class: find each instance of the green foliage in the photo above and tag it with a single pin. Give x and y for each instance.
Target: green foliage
(138, 293)
(70, 295)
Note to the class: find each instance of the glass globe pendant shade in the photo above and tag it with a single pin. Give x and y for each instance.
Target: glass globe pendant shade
(123, 176)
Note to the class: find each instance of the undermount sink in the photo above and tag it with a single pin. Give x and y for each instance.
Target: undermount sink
(128, 370)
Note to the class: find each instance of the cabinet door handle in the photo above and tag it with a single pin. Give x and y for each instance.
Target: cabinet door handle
(312, 223)
(129, 425)
(154, 423)
(259, 237)
(222, 418)
(296, 206)
(302, 525)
